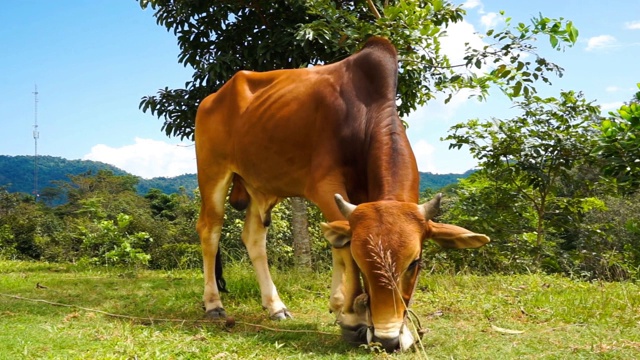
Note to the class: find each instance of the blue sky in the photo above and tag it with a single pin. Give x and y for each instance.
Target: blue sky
(94, 59)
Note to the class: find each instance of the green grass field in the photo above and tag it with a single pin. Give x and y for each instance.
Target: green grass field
(110, 314)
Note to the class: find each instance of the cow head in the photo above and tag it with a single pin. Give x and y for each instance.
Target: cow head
(385, 238)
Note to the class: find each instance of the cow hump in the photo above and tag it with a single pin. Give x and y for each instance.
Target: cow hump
(381, 44)
(377, 61)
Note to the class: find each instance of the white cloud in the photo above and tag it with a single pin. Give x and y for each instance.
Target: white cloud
(600, 42)
(472, 4)
(453, 45)
(612, 89)
(148, 158)
(490, 20)
(611, 106)
(633, 25)
(424, 153)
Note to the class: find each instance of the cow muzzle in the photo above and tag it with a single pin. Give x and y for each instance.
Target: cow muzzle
(358, 329)
(399, 341)
(391, 340)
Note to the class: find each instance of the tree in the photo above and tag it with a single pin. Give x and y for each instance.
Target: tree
(533, 152)
(301, 238)
(162, 205)
(488, 205)
(619, 145)
(24, 226)
(218, 38)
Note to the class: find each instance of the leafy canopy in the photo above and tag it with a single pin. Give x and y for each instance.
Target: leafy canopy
(619, 145)
(533, 152)
(536, 149)
(218, 38)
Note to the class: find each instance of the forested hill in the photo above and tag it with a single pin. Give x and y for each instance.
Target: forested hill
(438, 181)
(17, 172)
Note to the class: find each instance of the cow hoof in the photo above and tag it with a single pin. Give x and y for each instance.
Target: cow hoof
(215, 314)
(281, 315)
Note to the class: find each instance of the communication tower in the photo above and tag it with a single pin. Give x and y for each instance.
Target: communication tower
(36, 135)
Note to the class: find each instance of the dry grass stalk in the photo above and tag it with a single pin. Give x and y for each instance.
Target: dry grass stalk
(391, 279)
(386, 265)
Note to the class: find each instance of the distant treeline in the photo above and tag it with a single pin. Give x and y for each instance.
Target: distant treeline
(17, 173)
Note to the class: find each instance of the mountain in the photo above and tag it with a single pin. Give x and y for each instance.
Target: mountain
(169, 185)
(438, 181)
(18, 173)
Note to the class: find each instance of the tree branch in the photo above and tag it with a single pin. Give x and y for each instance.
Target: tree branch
(373, 9)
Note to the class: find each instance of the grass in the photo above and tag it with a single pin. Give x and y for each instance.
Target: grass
(467, 317)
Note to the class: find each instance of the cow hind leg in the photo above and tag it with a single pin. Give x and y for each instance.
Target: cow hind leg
(254, 236)
(213, 191)
(220, 281)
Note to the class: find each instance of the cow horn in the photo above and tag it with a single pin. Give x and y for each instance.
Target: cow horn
(430, 209)
(345, 207)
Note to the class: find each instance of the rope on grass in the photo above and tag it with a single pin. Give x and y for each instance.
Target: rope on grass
(152, 320)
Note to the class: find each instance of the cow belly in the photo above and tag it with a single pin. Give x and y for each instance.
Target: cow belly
(277, 162)
(275, 177)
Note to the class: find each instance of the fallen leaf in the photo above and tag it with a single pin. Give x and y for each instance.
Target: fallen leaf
(71, 316)
(506, 331)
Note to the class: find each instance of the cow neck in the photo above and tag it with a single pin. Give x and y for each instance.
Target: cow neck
(392, 173)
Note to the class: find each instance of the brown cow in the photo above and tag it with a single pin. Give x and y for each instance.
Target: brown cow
(326, 133)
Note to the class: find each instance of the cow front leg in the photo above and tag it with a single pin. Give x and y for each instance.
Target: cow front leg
(336, 297)
(254, 236)
(352, 316)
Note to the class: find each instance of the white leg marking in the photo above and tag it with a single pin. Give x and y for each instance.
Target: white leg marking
(254, 236)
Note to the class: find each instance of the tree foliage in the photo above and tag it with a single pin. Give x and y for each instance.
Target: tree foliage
(619, 145)
(219, 38)
(106, 223)
(531, 154)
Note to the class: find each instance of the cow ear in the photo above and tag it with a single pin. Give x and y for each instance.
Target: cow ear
(338, 233)
(455, 237)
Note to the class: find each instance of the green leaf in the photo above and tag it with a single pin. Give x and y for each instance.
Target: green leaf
(446, 101)
(517, 88)
(573, 32)
(624, 114)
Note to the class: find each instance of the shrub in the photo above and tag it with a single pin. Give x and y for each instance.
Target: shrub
(177, 256)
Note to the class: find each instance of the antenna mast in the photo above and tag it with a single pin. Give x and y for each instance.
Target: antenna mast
(36, 135)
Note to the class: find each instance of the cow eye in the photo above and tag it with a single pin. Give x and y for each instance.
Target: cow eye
(414, 264)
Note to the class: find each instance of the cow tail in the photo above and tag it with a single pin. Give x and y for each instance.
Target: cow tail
(220, 281)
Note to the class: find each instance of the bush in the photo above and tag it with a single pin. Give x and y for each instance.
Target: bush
(609, 241)
(177, 256)
(109, 243)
